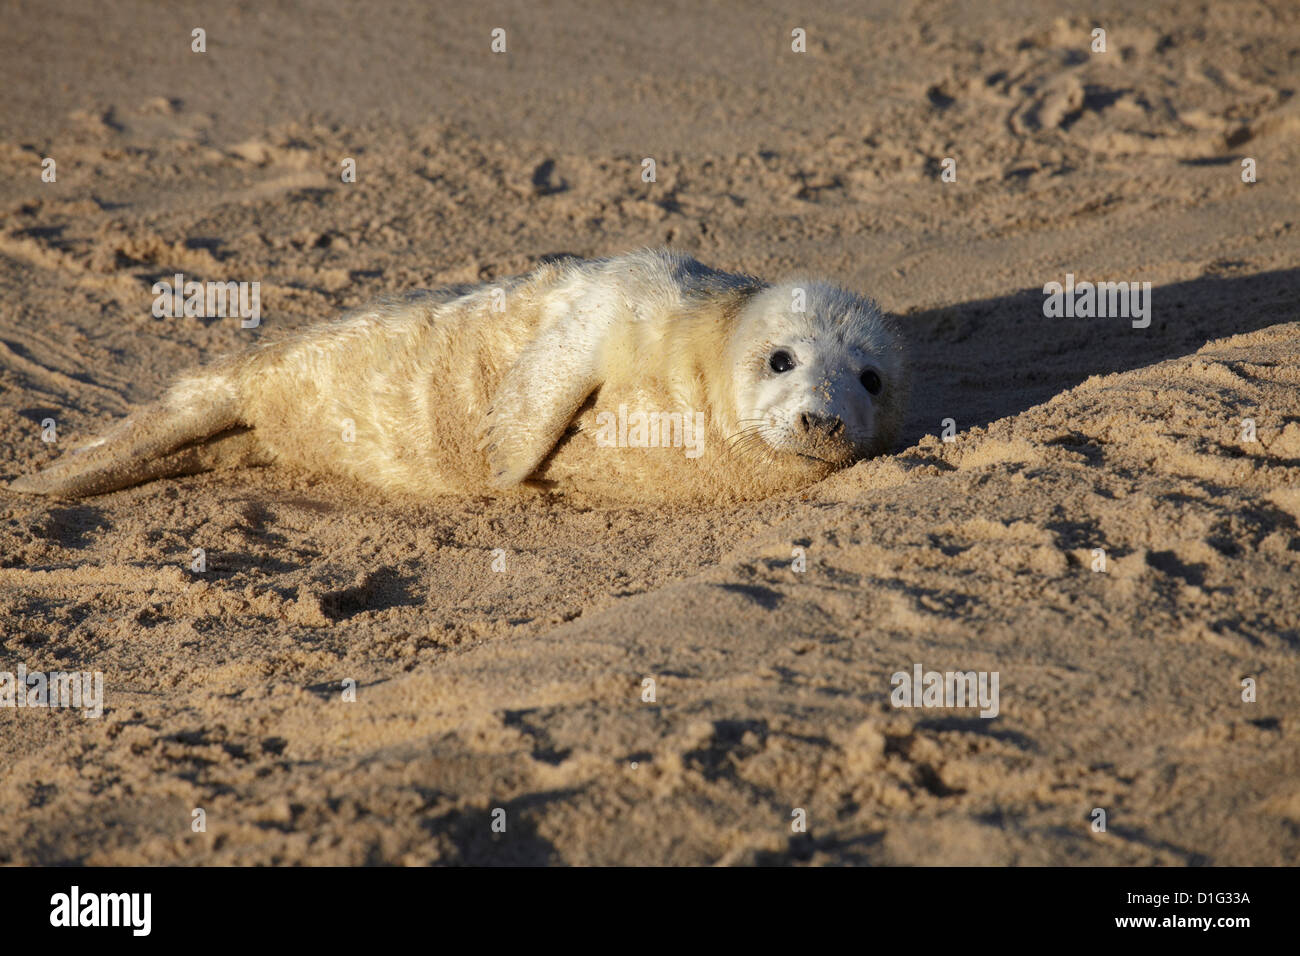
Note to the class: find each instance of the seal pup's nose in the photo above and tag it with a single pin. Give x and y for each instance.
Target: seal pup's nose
(828, 425)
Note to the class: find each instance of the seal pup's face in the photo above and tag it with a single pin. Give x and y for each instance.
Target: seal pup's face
(826, 383)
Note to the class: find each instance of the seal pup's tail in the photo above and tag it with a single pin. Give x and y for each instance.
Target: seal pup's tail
(194, 428)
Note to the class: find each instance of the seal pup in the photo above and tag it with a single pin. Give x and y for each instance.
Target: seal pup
(643, 376)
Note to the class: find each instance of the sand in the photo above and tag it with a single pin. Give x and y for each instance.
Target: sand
(522, 690)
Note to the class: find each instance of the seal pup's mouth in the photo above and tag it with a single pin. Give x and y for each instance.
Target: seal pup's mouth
(822, 450)
(828, 450)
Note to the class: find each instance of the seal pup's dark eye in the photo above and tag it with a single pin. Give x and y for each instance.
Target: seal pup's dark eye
(870, 381)
(780, 361)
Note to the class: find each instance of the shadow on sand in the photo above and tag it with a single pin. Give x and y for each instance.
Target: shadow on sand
(980, 361)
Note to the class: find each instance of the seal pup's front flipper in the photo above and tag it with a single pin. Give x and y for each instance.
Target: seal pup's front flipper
(190, 430)
(539, 396)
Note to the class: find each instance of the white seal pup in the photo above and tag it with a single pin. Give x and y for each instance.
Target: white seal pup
(644, 376)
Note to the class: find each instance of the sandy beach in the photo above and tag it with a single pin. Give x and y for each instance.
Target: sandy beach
(1161, 687)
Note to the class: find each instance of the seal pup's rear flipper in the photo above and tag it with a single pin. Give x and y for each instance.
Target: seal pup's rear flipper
(192, 429)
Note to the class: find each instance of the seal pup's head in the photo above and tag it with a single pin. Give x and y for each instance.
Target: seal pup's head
(817, 372)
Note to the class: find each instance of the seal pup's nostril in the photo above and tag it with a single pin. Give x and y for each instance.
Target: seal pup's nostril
(826, 424)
